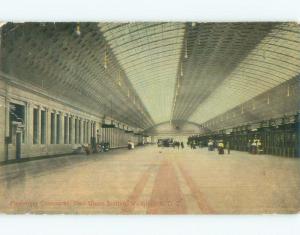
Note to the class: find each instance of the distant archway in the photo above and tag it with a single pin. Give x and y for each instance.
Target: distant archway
(177, 127)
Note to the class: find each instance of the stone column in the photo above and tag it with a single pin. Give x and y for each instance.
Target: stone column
(39, 126)
(73, 129)
(77, 130)
(29, 124)
(48, 126)
(70, 130)
(54, 127)
(61, 125)
(7, 101)
(66, 128)
(81, 131)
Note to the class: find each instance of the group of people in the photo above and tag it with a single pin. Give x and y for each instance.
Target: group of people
(192, 144)
(255, 146)
(94, 147)
(178, 144)
(212, 144)
(130, 145)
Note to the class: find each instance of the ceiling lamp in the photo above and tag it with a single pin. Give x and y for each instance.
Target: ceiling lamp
(185, 54)
(181, 70)
(77, 31)
(119, 78)
(105, 58)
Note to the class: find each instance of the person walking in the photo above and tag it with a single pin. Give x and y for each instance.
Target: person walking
(228, 147)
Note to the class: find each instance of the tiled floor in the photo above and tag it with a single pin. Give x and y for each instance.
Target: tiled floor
(153, 180)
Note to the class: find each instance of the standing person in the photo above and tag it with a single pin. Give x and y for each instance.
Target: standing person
(258, 147)
(210, 145)
(228, 147)
(249, 146)
(182, 145)
(221, 147)
(254, 147)
(215, 145)
(98, 136)
(129, 144)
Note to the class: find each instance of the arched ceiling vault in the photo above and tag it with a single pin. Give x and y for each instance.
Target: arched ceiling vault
(149, 53)
(231, 63)
(79, 68)
(148, 73)
(195, 72)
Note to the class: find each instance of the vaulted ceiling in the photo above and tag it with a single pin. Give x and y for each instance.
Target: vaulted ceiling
(148, 73)
(149, 54)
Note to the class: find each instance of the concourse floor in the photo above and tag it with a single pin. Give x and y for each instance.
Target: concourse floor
(152, 180)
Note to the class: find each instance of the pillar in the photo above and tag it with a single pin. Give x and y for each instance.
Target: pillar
(29, 123)
(54, 127)
(81, 140)
(39, 127)
(48, 126)
(73, 129)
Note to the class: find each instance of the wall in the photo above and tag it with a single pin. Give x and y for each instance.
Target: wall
(31, 100)
(277, 102)
(2, 127)
(176, 128)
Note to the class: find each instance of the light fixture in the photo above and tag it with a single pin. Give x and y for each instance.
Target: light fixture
(105, 58)
(181, 70)
(119, 78)
(185, 54)
(268, 100)
(77, 31)
(288, 91)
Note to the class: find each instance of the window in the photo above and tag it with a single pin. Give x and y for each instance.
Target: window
(35, 126)
(66, 130)
(43, 127)
(57, 128)
(52, 133)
